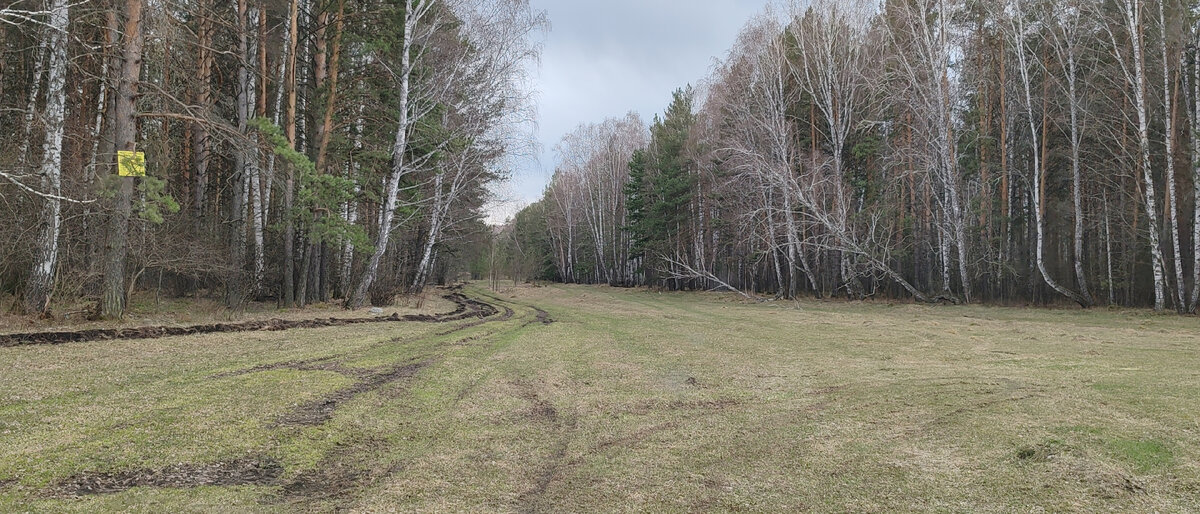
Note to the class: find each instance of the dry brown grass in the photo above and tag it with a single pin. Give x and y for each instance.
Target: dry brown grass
(630, 401)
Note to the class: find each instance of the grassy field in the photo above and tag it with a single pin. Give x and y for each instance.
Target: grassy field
(628, 401)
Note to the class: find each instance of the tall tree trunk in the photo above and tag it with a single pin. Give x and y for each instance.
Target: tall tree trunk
(1076, 175)
(350, 209)
(112, 304)
(1134, 26)
(289, 186)
(1168, 128)
(436, 216)
(1195, 299)
(281, 90)
(41, 278)
(1005, 203)
(258, 213)
(245, 160)
(413, 13)
(325, 129)
(200, 143)
(110, 36)
(1108, 253)
(1039, 163)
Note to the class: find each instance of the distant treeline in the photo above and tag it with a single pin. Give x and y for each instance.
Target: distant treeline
(962, 150)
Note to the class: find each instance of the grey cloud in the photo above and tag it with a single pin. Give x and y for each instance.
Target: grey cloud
(606, 58)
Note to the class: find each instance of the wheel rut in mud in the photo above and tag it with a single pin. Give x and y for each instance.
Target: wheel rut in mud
(319, 411)
(349, 468)
(466, 308)
(250, 471)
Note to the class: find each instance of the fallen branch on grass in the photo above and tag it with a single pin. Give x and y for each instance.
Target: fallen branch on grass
(681, 270)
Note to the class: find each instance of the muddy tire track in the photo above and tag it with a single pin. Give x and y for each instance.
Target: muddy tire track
(540, 315)
(346, 470)
(556, 464)
(319, 411)
(366, 380)
(249, 471)
(343, 473)
(466, 308)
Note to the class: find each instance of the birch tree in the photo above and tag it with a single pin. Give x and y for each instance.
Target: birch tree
(921, 55)
(1132, 65)
(416, 30)
(1019, 33)
(1067, 35)
(41, 279)
(1172, 206)
(831, 58)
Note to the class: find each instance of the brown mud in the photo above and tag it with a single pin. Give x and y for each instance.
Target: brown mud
(321, 410)
(253, 471)
(348, 469)
(465, 308)
(345, 471)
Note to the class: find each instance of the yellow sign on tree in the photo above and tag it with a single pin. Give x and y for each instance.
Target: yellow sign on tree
(131, 164)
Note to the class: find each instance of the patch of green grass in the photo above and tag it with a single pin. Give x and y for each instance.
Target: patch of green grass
(1144, 454)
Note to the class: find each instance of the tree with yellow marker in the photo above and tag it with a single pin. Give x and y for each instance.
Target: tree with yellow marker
(131, 164)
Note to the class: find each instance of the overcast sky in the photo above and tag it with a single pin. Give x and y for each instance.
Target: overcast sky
(605, 58)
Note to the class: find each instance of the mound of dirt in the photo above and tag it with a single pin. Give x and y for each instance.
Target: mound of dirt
(466, 308)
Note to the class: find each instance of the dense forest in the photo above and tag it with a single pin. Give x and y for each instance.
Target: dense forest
(1021, 151)
(1017, 151)
(292, 150)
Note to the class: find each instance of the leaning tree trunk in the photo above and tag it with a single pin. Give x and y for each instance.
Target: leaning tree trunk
(112, 304)
(41, 278)
(412, 14)
(437, 216)
(1038, 171)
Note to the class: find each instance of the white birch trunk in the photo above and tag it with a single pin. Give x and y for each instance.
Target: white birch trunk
(41, 279)
(1173, 198)
(1133, 19)
(257, 209)
(435, 229)
(413, 13)
(1027, 86)
(276, 118)
(39, 69)
(1077, 176)
(245, 159)
(350, 209)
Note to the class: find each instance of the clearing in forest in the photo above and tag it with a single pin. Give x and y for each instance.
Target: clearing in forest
(574, 398)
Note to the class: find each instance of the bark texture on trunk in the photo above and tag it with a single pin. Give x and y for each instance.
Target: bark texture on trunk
(112, 304)
(41, 279)
(413, 14)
